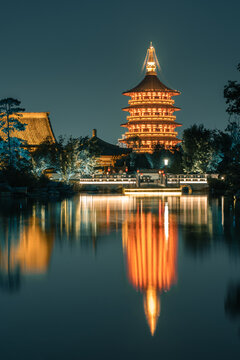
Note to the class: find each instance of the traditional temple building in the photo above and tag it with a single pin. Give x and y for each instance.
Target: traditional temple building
(152, 120)
(38, 128)
(108, 153)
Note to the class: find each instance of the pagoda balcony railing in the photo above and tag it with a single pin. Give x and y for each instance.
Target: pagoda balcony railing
(151, 117)
(151, 102)
(123, 137)
(152, 134)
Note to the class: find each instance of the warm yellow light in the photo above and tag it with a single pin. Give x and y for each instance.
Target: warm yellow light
(152, 308)
(32, 252)
(151, 60)
(166, 223)
(150, 257)
(153, 192)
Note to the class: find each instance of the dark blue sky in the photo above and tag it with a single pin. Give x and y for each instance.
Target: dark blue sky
(74, 58)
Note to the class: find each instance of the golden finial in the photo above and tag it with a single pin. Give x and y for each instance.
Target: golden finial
(151, 61)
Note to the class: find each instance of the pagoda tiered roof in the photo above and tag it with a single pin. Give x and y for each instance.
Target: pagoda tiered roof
(151, 83)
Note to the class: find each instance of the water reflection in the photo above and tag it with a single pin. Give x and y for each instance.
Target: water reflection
(150, 246)
(232, 301)
(30, 252)
(196, 221)
(150, 230)
(29, 231)
(90, 217)
(25, 245)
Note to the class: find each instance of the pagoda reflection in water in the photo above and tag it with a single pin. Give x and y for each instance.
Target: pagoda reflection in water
(150, 246)
(148, 227)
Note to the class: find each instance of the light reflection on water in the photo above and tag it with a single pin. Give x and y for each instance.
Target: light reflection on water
(150, 245)
(151, 231)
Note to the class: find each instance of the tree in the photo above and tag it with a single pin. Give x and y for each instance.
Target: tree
(232, 96)
(67, 157)
(222, 144)
(198, 148)
(12, 149)
(43, 157)
(156, 159)
(232, 157)
(174, 156)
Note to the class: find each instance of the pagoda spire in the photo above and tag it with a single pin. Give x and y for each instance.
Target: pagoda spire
(151, 61)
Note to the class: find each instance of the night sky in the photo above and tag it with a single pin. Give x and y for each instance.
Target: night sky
(74, 58)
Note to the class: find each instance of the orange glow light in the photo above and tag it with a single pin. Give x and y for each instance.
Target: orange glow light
(150, 246)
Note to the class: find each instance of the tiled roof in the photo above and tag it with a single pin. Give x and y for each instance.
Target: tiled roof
(38, 128)
(151, 83)
(105, 148)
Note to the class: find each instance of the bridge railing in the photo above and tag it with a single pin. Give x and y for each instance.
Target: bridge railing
(187, 179)
(109, 179)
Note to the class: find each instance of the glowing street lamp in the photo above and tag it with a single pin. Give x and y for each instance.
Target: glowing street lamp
(166, 162)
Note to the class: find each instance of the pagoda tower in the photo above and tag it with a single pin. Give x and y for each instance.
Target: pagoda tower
(151, 107)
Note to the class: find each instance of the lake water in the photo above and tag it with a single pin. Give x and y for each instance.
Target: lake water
(117, 277)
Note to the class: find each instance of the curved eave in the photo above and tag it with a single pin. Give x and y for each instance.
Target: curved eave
(106, 149)
(150, 83)
(172, 92)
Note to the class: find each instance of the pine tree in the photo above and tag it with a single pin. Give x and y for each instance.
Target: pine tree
(12, 149)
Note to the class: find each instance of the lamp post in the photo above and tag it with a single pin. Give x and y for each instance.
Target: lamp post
(166, 162)
(165, 169)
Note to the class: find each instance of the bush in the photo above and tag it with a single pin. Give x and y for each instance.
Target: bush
(216, 186)
(16, 178)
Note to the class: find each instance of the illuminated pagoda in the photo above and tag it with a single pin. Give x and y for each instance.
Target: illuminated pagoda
(152, 120)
